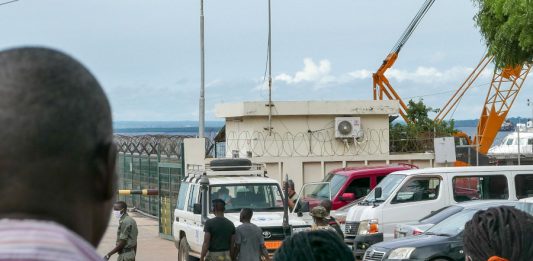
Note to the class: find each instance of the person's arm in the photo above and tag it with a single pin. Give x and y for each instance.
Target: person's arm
(120, 245)
(232, 252)
(264, 251)
(205, 246)
(236, 250)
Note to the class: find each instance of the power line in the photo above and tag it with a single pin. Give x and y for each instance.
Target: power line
(8, 2)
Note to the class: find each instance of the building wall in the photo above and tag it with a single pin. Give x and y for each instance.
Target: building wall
(304, 136)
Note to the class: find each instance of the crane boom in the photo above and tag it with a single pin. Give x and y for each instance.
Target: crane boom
(505, 85)
(458, 95)
(381, 85)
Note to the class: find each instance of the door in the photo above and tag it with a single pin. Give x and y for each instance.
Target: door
(193, 222)
(416, 198)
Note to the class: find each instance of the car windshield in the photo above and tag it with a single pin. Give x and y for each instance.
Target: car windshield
(388, 185)
(321, 191)
(259, 197)
(453, 225)
(440, 215)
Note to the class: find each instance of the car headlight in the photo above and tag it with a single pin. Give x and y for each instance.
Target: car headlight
(401, 253)
(300, 229)
(368, 227)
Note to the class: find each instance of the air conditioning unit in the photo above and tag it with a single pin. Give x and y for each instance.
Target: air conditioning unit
(347, 127)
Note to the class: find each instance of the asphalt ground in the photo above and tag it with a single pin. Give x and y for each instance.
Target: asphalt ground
(149, 245)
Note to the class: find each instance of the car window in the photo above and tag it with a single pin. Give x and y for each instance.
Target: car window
(418, 189)
(480, 187)
(193, 197)
(509, 142)
(360, 187)
(524, 185)
(182, 195)
(259, 197)
(440, 215)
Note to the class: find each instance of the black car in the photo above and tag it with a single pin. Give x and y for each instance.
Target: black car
(442, 242)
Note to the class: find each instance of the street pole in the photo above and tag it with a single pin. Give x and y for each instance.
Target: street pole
(518, 134)
(201, 121)
(269, 70)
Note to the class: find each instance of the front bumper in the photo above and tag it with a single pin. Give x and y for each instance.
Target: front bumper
(362, 242)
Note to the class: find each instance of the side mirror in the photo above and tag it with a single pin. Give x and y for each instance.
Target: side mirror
(378, 192)
(347, 197)
(197, 209)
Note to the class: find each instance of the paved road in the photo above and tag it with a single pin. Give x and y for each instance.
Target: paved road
(149, 245)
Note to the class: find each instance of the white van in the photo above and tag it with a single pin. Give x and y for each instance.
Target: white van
(407, 196)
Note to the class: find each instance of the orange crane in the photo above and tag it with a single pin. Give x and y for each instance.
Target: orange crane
(381, 85)
(504, 87)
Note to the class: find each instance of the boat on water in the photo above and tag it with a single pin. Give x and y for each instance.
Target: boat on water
(511, 145)
(507, 126)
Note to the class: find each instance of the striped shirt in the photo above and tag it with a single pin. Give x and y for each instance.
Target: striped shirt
(32, 240)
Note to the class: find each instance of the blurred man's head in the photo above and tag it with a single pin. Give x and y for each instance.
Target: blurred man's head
(290, 185)
(57, 157)
(219, 206)
(326, 203)
(246, 215)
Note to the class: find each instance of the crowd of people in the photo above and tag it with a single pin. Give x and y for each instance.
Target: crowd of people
(58, 181)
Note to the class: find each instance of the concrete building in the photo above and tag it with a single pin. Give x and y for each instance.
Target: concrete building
(303, 138)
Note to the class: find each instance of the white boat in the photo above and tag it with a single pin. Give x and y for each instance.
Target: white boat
(510, 144)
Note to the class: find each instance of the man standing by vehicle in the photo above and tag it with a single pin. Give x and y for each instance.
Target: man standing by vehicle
(219, 235)
(126, 234)
(319, 214)
(291, 194)
(329, 219)
(249, 241)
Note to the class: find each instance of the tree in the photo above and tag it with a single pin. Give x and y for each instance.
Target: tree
(417, 134)
(507, 26)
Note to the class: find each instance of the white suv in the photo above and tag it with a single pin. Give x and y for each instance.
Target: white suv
(241, 185)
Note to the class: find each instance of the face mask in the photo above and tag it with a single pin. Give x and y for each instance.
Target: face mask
(117, 213)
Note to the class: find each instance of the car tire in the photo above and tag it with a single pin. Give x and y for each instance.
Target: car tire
(183, 251)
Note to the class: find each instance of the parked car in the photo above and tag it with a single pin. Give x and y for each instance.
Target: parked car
(407, 196)
(345, 185)
(444, 241)
(417, 228)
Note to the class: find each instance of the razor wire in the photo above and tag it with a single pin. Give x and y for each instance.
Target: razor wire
(308, 144)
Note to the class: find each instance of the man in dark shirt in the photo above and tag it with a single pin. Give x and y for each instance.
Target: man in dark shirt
(331, 220)
(219, 235)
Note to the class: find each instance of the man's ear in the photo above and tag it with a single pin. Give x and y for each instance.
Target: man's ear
(105, 177)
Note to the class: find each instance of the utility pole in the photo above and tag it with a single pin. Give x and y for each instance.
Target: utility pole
(269, 70)
(518, 138)
(201, 121)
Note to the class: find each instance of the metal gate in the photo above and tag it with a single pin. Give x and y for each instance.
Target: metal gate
(170, 175)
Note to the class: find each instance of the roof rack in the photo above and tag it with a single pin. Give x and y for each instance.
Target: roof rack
(207, 169)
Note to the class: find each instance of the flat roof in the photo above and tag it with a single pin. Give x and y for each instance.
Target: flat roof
(296, 108)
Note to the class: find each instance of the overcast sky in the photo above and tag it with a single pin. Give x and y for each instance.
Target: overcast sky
(146, 53)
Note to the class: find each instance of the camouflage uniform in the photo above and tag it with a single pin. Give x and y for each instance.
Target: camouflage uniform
(320, 212)
(127, 230)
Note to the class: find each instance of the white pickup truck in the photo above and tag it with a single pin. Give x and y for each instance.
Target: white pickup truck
(242, 185)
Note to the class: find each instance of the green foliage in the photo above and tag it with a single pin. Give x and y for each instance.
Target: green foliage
(417, 135)
(507, 26)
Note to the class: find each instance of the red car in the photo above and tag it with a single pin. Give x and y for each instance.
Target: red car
(348, 184)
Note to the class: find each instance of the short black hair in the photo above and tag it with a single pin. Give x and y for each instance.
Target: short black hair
(122, 204)
(55, 128)
(218, 204)
(318, 245)
(247, 213)
(290, 183)
(327, 204)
